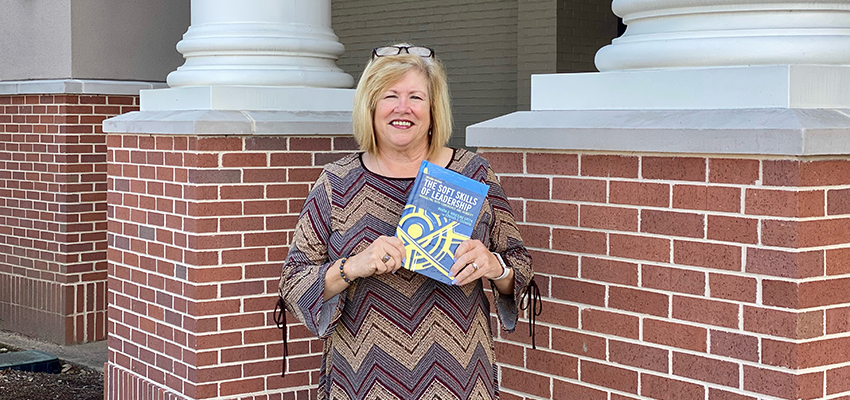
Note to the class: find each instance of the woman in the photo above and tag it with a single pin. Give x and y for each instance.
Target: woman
(391, 333)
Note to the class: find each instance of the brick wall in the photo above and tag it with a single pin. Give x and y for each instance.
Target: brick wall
(198, 230)
(53, 214)
(684, 277)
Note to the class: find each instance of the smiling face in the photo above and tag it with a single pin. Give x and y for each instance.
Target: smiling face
(403, 114)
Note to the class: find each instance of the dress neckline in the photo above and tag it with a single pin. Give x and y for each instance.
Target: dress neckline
(363, 165)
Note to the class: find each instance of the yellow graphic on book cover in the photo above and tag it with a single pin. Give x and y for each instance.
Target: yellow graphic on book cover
(432, 250)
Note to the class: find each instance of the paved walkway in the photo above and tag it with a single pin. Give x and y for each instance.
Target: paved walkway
(91, 355)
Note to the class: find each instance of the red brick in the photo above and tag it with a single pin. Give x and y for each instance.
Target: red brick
(783, 323)
(675, 334)
(783, 384)
(674, 168)
(705, 311)
(535, 235)
(505, 162)
(799, 234)
(525, 187)
(579, 241)
(813, 173)
(215, 144)
(524, 382)
(705, 369)
(610, 323)
(564, 315)
(578, 291)
(552, 363)
(609, 376)
(639, 301)
(551, 164)
(838, 261)
(707, 198)
(708, 255)
(609, 271)
(734, 171)
(785, 264)
(552, 213)
(609, 166)
(310, 144)
(733, 229)
(734, 345)
(733, 287)
(609, 218)
(640, 247)
(579, 189)
(578, 343)
(640, 194)
(824, 293)
(784, 203)
(838, 201)
(661, 388)
(570, 390)
(838, 320)
(672, 223)
(292, 159)
(640, 356)
(673, 279)
(717, 394)
(266, 143)
(510, 354)
(837, 380)
(243, 159)
(554, 263)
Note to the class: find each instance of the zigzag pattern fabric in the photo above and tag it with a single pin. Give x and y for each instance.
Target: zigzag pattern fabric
(402, 335)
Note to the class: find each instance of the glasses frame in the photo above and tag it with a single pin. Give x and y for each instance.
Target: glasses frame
(400, 48)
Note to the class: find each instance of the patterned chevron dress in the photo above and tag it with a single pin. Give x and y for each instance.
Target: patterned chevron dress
(402, 335)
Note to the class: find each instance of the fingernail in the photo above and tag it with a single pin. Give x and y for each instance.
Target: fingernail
(451, 275)
(454, 281)
(402, 261)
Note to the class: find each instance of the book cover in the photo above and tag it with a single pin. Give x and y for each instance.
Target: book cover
(440, 213)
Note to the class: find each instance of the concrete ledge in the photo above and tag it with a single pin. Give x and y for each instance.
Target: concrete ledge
(217, 122)
(771, 131)
(77, 86)
(259, 98)
(769, 86)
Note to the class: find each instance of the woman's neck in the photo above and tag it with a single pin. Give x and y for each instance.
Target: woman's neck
(402, 164)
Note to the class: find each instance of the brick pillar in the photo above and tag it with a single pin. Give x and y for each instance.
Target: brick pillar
(682, 276)
(198, 229)
(53, 214)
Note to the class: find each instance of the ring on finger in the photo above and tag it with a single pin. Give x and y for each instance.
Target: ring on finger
(475, 266)
(385, 258)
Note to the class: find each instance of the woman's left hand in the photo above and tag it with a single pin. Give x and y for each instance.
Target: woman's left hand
(473, 261)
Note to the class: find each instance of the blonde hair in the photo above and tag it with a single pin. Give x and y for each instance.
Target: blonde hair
(383, 72)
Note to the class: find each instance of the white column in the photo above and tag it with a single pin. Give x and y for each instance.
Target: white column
(712, 33)
(261, 43)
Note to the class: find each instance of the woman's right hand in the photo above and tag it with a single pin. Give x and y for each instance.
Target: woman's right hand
(384, 255)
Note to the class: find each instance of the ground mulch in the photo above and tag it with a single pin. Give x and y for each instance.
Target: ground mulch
(73, 383)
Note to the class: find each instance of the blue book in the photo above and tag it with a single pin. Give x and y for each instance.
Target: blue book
(440, 213)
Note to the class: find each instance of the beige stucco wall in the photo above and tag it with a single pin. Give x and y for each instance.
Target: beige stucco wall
(127, 39)
(91, 39)
(35, 39)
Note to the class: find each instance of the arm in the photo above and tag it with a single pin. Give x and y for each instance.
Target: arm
(303, 279)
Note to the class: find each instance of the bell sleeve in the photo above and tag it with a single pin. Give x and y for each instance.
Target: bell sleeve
(506, 240)
(302, 282)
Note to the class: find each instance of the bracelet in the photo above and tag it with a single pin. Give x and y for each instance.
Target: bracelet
(505, 269)
(342, 273)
